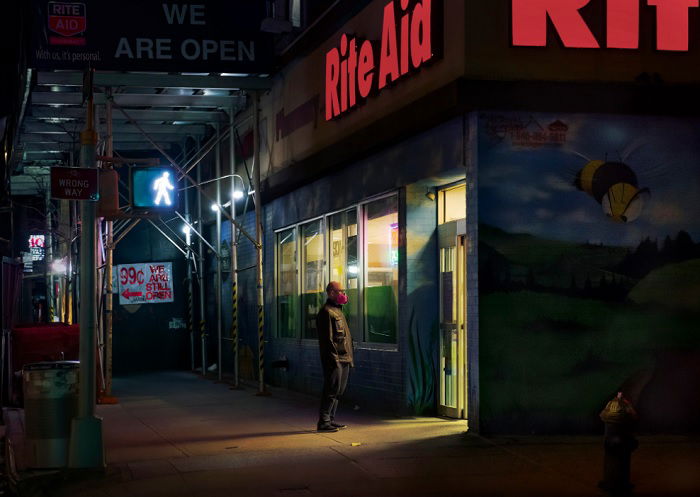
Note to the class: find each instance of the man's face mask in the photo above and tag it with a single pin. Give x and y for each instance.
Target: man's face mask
(341, 299)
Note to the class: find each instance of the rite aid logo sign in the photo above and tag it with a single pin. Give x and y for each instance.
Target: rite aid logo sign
(357, 68)
(68, 20)
(530, 20)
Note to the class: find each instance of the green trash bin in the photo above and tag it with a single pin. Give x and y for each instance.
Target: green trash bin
(50, 403)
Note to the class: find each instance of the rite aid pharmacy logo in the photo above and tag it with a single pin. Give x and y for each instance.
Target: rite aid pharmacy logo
(69, 21)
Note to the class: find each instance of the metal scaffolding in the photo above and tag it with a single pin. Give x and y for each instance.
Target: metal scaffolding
(157, 112)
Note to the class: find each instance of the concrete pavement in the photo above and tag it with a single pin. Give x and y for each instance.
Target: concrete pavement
(176, 434)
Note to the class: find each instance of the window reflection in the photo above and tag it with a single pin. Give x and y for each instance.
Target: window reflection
(287, 300)
(313, 293)
(381, 269)
(344, 263)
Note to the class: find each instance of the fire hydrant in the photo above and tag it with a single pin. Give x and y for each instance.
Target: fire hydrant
(620, 419)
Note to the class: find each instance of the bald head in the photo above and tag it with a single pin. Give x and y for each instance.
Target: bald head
(332, 287)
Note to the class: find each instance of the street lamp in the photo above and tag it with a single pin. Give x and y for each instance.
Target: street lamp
(235, 194)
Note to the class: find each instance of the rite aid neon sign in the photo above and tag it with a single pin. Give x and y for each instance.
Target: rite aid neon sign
(530, 23)
(358, 68)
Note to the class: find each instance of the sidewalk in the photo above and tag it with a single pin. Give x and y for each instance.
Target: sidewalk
(176, 434)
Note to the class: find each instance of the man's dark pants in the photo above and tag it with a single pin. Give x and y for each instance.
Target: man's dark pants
(335, 379)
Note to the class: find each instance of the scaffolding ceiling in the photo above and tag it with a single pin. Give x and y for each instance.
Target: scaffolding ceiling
(168, 107)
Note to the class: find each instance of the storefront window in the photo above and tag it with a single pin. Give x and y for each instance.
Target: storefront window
(452, 203)
(360, 250)
(287, 295)
(344, 263)
(381, 240)
(313, 293)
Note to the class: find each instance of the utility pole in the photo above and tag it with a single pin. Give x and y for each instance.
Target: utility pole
(86, 448)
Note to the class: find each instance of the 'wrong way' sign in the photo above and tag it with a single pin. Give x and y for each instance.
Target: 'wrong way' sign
(145, 283)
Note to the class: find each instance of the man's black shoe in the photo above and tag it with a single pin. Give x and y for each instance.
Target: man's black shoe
(340, 426)
(326, 428)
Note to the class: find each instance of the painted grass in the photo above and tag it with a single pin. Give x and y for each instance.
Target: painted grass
(543, 353)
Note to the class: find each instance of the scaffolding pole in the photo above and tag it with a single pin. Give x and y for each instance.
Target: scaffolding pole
(48, 257)
(109, 261)
(217, 256)
(234, 252)
(200, 274)
(258, 246)
(190, 289)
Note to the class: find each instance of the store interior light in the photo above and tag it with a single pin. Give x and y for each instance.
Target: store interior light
(237, 195)
(186, 229)
(215, 207)
(352, 269)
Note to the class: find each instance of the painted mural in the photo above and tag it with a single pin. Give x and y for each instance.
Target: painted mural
(589, 270)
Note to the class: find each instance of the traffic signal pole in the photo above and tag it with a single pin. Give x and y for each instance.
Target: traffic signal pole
(86, 449)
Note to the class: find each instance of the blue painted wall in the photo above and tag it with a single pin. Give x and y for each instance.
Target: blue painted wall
(381, 380)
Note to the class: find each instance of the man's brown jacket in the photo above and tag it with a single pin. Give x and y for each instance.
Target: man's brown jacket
(334, 339)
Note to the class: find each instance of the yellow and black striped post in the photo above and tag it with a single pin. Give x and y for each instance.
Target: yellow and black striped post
(234, 324)
(261, 347)
(259, 244)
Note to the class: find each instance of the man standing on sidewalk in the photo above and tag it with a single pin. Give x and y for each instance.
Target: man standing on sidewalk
(335, 345)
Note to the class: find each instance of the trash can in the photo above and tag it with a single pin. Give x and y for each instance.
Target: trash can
(50, 403)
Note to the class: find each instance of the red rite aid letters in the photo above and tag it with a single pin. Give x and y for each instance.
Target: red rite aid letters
(356, 68)
(530, 23)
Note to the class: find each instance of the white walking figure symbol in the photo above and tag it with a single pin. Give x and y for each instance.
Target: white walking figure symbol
(162, 185)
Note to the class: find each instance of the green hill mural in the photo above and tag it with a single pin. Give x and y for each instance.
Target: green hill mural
(675, 286)
(586, 286)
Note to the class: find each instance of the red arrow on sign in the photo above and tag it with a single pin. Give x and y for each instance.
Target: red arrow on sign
(127, 294)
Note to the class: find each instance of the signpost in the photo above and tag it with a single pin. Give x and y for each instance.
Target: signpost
(75, 183)
(145, 283)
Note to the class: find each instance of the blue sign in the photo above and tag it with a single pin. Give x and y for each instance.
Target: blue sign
(154, 188)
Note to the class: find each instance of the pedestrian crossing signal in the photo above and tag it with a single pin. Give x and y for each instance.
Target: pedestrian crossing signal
(153, 188)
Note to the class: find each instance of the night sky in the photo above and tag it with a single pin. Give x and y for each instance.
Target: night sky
(530, 190)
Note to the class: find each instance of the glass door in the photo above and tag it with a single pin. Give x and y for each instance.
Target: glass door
(453, 352)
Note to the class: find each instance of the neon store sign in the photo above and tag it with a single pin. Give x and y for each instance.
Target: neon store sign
(358, 68)
(37, 247)
(529, 27)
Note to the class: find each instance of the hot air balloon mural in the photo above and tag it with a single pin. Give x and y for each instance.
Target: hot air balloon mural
(614, 185)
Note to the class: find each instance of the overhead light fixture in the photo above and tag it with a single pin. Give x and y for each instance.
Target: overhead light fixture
(215, 207)
(430, 194)
(237, 195)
